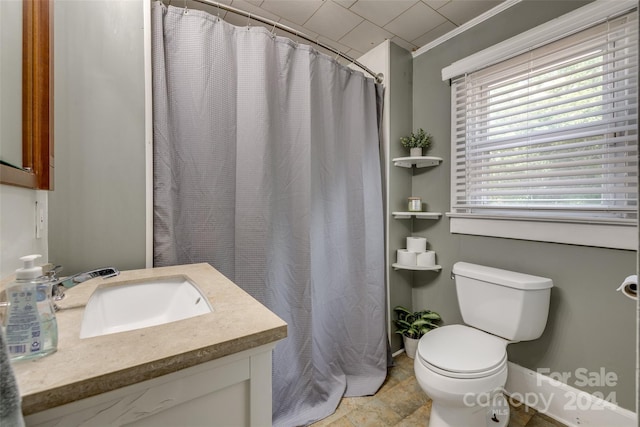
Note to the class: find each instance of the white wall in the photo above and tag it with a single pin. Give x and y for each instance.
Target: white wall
(18, 226)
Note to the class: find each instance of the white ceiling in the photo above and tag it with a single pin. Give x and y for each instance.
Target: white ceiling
(355, 26)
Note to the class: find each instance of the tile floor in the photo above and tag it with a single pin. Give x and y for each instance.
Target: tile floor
(400, 402)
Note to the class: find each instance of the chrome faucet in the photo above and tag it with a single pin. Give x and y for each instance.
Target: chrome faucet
(105, 273)
(71, 281)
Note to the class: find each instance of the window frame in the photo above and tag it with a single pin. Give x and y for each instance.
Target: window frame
(609, 235)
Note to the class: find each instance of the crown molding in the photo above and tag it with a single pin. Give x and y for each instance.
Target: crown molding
(467, 25)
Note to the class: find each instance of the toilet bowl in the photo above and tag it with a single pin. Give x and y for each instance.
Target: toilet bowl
(464, 377)
(463, 368)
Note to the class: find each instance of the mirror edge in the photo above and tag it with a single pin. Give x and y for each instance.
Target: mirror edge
(37, 100)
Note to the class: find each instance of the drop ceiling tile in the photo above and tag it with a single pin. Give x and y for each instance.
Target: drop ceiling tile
(355, 54)
(213, 10)
(241, 21)
(330, 43)
(333, 21)
(381, 12)
(435, 4)
(334, 44)
(409, 23)
(404, 44)
(461, 11)
(365, 37)
(345, 3)
(248, 7)
(298, 11)
(295, 26)
(415, 21)
(325, 51)
(440, 30)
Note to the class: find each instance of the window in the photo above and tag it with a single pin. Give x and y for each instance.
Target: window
(551, 135)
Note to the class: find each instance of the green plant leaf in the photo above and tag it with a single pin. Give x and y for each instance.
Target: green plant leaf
(431, 315)
(400, 309)
(402, 324)
(420, 322)
(415, 324)
(419, 139)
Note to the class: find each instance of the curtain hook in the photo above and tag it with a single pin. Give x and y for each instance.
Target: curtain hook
(249, 21)
(273, 30)
(296, 40)
(217, 3)
(186, 10)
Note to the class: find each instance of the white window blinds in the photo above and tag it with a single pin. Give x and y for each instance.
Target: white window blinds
(551, 134)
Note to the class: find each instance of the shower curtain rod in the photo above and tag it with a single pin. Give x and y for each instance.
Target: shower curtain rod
(377, 76)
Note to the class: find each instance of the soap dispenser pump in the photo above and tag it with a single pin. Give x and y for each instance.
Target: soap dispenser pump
(30, 323)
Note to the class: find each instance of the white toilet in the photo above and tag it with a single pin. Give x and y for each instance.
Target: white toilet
(463, 369)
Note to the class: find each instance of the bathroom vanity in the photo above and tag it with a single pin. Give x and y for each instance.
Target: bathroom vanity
(211, 369)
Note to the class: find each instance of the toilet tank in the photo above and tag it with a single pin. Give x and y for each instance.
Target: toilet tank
(511, 305)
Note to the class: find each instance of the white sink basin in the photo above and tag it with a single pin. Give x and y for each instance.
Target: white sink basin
(142, 304)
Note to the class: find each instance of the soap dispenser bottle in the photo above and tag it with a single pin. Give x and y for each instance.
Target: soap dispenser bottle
(30, 323)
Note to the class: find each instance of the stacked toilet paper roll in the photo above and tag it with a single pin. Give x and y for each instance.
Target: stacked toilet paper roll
(416, 244)
(426, 259)
(416, 253)
(406, 257)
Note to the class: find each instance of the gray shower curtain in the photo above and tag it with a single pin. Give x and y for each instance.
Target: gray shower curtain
(267, 166)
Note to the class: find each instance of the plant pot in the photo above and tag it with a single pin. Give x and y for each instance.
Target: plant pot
(415, 152)
(410, 346)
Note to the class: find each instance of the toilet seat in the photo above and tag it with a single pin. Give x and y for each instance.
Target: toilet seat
(459, 351)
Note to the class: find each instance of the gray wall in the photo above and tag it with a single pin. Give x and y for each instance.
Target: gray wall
(399, 84)
(97, 210)
(590, 325)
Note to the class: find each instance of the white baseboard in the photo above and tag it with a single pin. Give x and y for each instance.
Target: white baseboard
(398, 352)
(564, 403)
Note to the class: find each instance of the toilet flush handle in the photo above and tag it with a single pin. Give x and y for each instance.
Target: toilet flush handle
(453, 276)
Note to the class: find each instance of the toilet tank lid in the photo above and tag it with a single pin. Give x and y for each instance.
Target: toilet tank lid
(508, 278)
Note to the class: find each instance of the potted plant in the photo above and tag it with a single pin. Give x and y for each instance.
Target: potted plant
(413, 325)
(417, 142)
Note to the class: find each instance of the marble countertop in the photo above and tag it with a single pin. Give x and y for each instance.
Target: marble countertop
(82, 368)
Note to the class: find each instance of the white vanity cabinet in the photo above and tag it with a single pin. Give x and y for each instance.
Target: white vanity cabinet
(231, 391)
(213, 369)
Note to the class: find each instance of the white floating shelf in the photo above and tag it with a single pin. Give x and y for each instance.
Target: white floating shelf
(419, 162)
(415, 267)
(418, 215)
